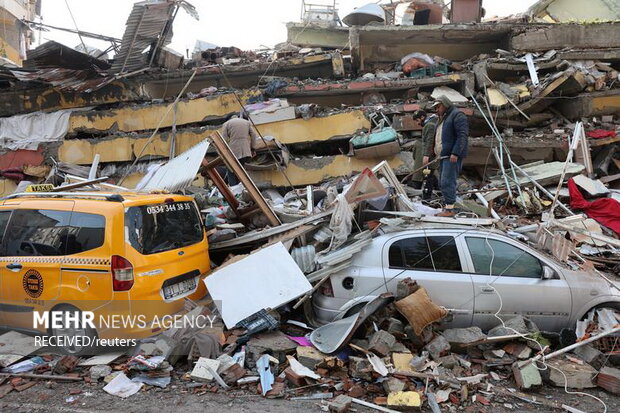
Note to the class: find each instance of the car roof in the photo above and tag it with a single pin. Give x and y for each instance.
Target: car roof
(127, 199)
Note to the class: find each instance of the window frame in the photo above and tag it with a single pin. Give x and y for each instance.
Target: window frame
(12, 211)
(472, 269)
(426, 234)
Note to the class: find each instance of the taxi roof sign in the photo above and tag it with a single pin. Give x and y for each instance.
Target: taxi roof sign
(40, 188)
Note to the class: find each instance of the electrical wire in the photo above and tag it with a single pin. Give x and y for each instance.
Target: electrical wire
(76, 26)
(525, 337)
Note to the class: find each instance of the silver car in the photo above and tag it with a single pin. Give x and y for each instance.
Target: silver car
(472, 272)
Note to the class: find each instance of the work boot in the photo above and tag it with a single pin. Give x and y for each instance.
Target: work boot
(448, 212)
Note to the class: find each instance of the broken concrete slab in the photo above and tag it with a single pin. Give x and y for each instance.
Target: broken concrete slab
(593, 187)
(576, 376)
(463, 336)
(275, 343)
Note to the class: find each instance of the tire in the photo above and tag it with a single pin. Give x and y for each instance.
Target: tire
(87, 332)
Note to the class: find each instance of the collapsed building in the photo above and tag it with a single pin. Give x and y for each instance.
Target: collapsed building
(334, 107)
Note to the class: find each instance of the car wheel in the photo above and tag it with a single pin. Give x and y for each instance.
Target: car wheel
(88, 335)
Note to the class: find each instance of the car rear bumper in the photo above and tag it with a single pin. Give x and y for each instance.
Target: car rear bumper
(327, 309)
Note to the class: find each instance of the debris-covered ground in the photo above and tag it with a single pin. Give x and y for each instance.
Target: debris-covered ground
(337, 282)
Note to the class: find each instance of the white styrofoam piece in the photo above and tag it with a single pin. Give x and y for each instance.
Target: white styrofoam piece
(266, 279)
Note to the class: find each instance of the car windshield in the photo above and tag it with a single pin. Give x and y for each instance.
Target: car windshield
(163, 227)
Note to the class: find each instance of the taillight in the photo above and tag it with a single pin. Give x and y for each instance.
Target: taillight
(326, 288)
(122, 273)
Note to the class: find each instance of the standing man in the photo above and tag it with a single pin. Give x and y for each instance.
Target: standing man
(239, 134)
(451, 141)
(424, 148)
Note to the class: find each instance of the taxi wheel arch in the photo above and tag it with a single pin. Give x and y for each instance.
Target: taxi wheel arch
(90, 332)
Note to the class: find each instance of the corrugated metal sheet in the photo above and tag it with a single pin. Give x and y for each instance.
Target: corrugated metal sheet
(178, 173)
(65, 79)
(145, 25)
(52, 54)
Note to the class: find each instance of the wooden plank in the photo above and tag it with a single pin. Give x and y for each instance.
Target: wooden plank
(603, 141)
(233, 164)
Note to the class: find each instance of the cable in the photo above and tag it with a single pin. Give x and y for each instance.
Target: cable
(242, 105)
(542, 360)
(161, 121)
(76, 26)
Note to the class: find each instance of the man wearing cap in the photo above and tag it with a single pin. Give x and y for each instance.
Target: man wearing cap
(424, 148)
(451, 140)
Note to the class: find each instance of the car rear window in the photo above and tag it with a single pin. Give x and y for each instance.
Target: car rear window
(163, 227)
(436, 253)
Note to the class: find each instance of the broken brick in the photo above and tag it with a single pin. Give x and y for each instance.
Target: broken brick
(294, 378)
(357, 391)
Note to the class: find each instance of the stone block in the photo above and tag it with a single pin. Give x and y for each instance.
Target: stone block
(590, 355)
(310, 356)
(438, 347)
(394, 385)
(381, 343)
(340, 404)
(360, 368)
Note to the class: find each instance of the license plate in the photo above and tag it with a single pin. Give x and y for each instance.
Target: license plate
(180, 288)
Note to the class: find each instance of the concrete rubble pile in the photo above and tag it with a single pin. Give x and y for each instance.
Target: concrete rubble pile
(337, 170)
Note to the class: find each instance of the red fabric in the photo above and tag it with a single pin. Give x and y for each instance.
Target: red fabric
(605, 211)
(601, 133)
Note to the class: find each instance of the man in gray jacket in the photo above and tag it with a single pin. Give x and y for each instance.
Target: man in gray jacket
(451, 142)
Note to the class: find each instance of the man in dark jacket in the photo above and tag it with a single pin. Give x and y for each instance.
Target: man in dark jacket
(452, 137)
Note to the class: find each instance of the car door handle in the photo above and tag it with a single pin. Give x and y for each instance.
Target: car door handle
(487, 290)
(14, 266)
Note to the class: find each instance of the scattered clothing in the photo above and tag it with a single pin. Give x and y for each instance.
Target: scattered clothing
(606, 211)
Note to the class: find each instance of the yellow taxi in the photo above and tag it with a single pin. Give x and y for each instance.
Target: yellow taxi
(124, 259)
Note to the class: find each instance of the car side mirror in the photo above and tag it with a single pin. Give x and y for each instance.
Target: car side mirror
(548, 273)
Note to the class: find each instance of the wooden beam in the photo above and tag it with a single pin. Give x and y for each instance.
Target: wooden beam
(233, 164)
